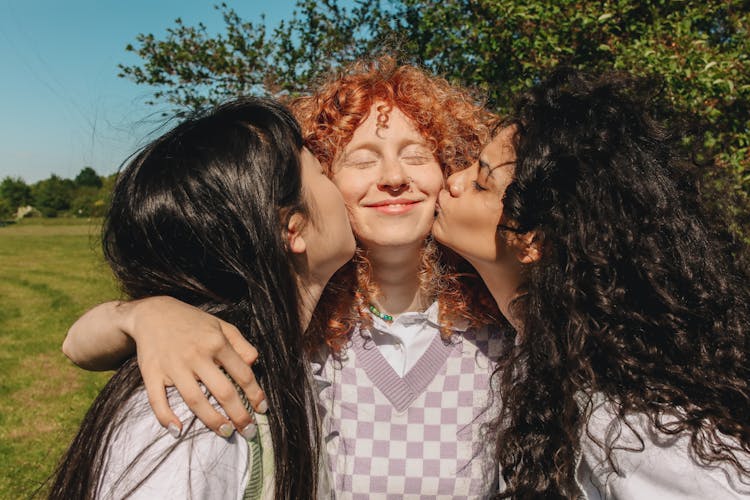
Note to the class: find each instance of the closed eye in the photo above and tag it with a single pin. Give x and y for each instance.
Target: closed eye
(360, 158)
(416, 160)
(361, 164)
(478, 187)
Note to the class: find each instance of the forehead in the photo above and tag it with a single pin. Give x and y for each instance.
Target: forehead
(500, 149)
(385, 124)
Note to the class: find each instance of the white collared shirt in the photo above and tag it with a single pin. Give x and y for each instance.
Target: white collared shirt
(646, 463)
(405, 339)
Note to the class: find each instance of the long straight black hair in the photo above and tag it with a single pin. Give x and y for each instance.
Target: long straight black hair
(199, 215)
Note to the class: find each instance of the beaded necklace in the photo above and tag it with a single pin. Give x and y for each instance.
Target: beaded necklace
(376, 312)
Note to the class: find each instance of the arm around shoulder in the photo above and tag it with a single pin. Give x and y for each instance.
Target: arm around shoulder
(177, 345)
(99, 339)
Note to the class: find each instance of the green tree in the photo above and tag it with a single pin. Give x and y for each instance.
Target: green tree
(91, 201)
(88, 177)
(87, 202)
(6, 211)
(53, 195)
(14, 193)
(191, 68)
(699, 49)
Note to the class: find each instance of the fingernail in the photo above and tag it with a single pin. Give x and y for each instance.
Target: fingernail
(226, 430)
(262, 407)
(250, 431)
(173, 430)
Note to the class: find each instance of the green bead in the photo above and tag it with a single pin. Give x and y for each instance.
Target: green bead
(383, 316)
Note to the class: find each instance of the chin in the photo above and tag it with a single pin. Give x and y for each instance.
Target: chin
(396, 239)
(440, 235)
(449, 244)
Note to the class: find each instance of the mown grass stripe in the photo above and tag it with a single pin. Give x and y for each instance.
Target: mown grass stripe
(49, 275)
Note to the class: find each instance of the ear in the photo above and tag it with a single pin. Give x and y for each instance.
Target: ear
(294, 238)
(528, 248)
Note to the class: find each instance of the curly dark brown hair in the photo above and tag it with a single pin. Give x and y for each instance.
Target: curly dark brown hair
(454, 124)
(635, 296)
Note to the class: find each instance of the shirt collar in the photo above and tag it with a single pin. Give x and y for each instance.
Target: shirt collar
(429, 315)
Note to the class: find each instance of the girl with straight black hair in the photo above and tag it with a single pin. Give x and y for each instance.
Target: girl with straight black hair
(222, 213)
(629, 373)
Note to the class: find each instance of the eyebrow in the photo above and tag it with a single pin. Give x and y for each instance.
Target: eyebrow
(490, 170)
(401, 144)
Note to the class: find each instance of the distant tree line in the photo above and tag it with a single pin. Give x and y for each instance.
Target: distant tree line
(698, 50)
(87, 195)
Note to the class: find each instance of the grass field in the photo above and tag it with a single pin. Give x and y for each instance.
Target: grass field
(51, 270)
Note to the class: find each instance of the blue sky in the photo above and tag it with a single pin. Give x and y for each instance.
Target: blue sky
(62, 106)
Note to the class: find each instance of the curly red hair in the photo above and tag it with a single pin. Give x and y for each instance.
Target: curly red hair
(455, 127)
(448, 117)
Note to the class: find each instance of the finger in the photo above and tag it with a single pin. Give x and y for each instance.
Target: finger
(243, 375)
(247, 352)
(226, 394)
(197, 401)
(157, 398)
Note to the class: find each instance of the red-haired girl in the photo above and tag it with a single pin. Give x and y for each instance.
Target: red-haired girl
(408, 353)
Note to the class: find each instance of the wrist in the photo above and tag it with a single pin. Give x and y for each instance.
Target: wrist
(126, 313)
(132, 313)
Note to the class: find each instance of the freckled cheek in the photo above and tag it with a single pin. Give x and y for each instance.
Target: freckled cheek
(428, 179)
(431, 186)
(352, 190)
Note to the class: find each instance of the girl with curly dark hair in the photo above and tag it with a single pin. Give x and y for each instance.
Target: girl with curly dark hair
(629, 375)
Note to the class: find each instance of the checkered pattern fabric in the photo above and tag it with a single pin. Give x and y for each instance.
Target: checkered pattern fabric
(411, 437)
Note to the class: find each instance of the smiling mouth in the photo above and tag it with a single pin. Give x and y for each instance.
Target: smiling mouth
(394, 207)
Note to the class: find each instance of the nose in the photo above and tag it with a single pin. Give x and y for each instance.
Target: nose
(455, 183)
(393, 177)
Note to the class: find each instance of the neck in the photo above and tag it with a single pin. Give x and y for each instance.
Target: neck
(503, 287)
(396, 272)
(310, 290)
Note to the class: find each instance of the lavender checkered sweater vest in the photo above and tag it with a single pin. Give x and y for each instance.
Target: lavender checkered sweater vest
(417, 436)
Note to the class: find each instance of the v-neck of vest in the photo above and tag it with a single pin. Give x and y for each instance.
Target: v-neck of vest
(402, 391)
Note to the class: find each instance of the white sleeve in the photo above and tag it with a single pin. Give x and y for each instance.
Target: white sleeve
(662, 467)
(202, 465)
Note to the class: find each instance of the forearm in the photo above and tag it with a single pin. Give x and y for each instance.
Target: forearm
(178, 344)
(98, 339)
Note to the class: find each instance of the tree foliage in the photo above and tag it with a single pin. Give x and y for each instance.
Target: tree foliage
(53, 195)
(14, 193)
(88, 177)
(700, 50)
(191, 67)
(88, 195)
